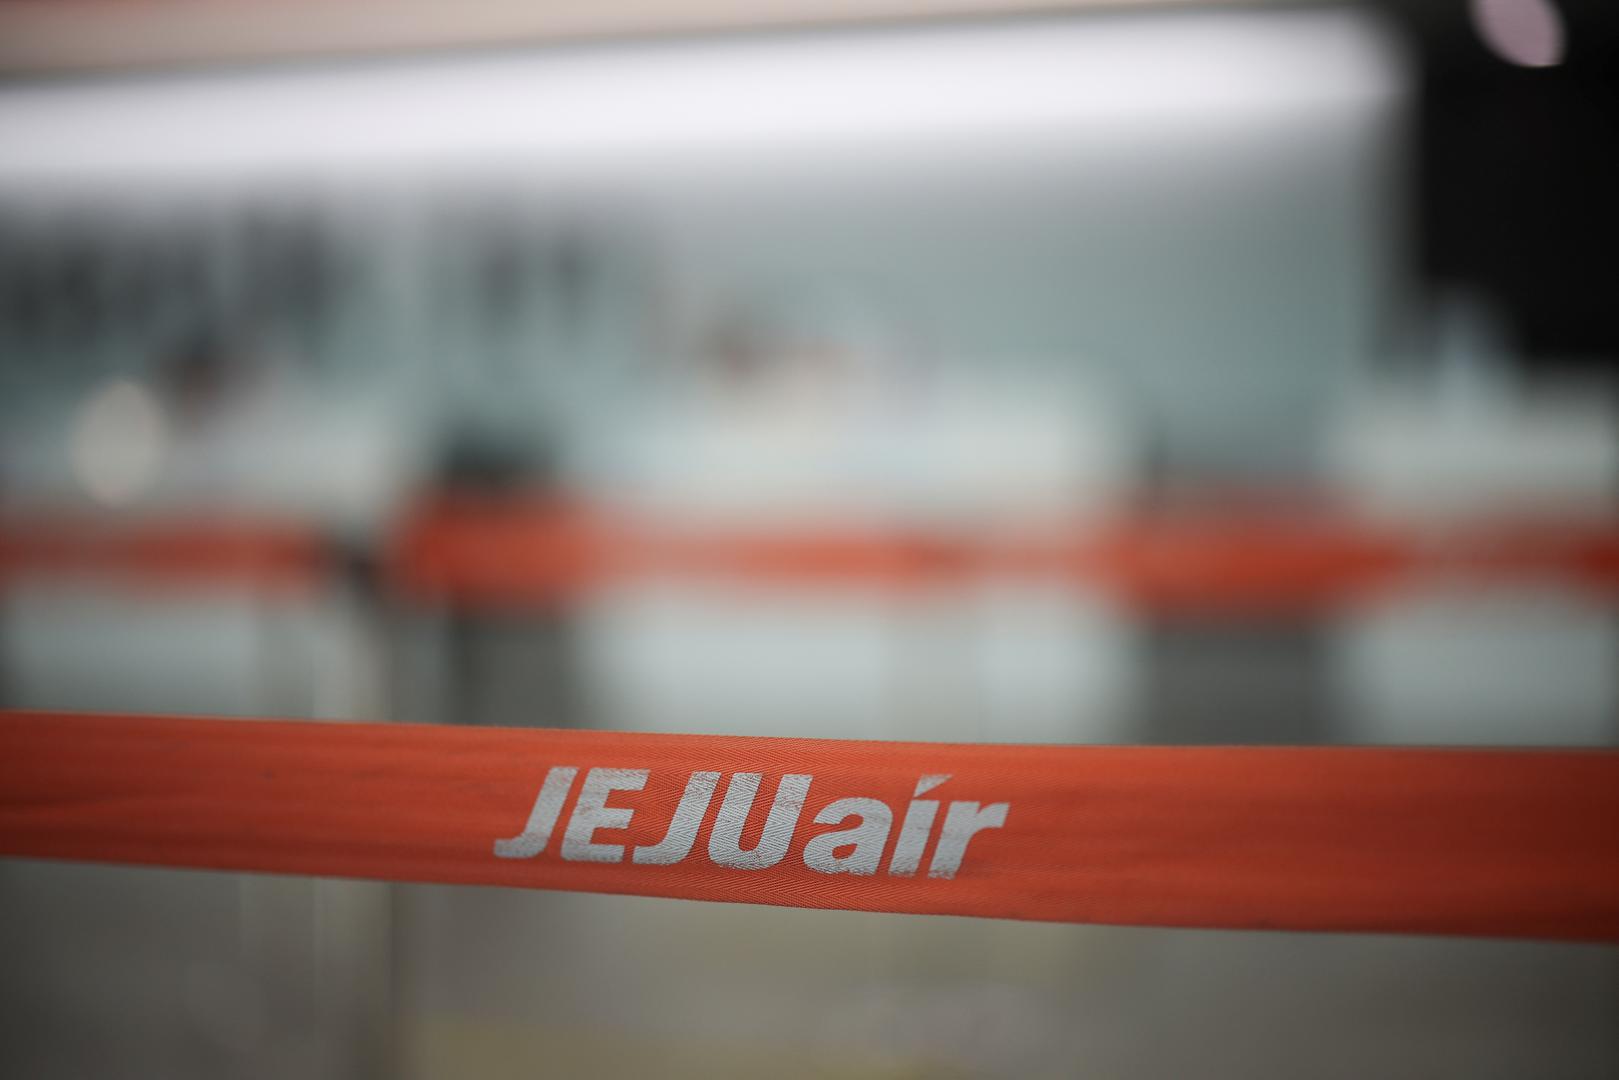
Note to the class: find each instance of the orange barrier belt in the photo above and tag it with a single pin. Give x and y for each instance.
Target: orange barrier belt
(1479, 842)
(496, 551)
(171, 552)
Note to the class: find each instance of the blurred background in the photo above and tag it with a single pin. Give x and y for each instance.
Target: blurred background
(968, 370)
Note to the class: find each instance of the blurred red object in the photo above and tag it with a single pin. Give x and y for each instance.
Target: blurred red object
(161, 553)
(1228, 558)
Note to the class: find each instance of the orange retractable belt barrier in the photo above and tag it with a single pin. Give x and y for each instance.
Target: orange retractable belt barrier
(169, 552)
(1501, 843)
(504, 551)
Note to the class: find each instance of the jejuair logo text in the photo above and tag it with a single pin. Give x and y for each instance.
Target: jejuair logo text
(857, 848)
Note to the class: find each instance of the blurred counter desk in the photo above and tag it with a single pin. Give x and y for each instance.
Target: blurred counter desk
(180, 611)
(542, 609)
(195, 973)
(1511, 482)
(1061, 631)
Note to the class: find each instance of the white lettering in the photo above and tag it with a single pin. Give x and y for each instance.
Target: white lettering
(850, 849)
(542, 819)
(961, 824)
(724, 842)
(913, 834)
(682, 834)
(591, 812)
(867, 838)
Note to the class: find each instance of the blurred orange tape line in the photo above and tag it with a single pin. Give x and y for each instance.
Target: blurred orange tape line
(1518, 843)
(170, 551)
(510, 551)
